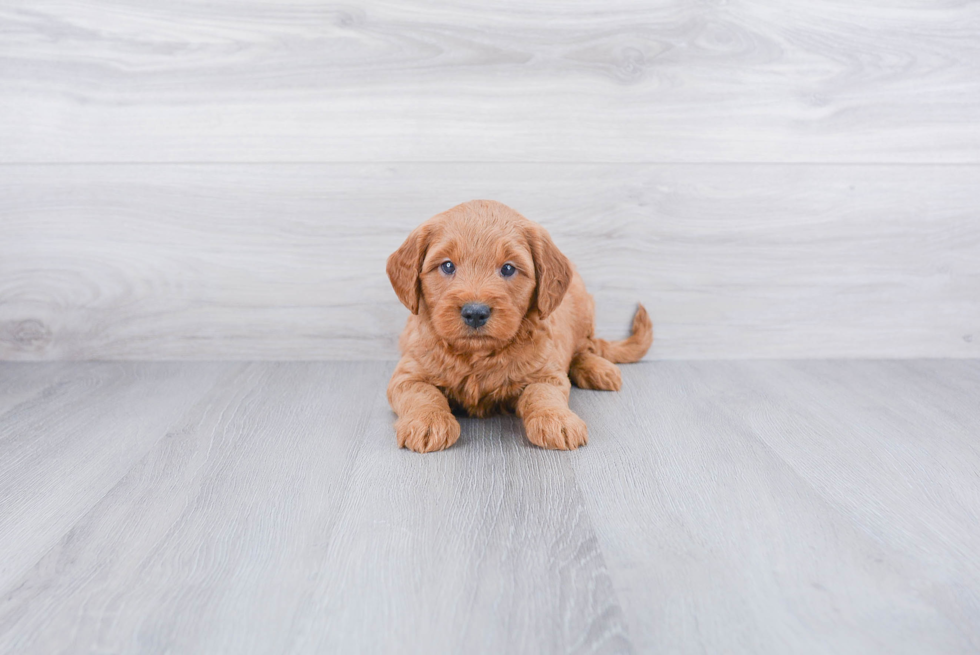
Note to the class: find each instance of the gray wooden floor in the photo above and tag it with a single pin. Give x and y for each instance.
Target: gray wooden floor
(757, 507)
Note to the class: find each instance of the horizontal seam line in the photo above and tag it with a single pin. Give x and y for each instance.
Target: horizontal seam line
(485, 163)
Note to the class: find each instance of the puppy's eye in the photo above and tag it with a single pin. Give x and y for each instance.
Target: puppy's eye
(448, 268)
(507, 270)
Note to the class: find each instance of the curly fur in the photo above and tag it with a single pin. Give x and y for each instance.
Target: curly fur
(538, 340)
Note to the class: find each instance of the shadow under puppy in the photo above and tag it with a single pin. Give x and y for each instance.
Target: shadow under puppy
(500, 322)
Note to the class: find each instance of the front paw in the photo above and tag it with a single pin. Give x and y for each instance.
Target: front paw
(556, 429)
(426, 433)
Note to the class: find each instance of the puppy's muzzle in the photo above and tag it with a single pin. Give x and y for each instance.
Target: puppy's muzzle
(475, 314)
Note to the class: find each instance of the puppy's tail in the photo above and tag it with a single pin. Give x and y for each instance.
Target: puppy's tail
(635, 346)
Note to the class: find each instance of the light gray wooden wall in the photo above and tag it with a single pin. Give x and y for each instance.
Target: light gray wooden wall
(211, 180)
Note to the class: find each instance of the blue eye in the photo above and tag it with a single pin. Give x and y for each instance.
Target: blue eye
(507, 270)
(448, 268)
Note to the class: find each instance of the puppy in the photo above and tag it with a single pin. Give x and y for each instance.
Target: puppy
(500, 322)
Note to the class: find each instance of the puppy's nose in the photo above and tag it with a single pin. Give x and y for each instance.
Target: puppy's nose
(475, 314)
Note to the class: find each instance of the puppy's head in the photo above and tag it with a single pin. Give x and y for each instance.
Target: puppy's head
(476, 271)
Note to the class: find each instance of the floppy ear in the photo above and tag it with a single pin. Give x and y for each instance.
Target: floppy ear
(404, 266)
(552, 271)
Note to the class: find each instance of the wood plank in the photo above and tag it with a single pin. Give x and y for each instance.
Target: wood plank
(64, 449)
(22, 382)
(280, 516)
(244, 486)
(755, 507)
(485, 548)
(602, 80)
(762, 507)
(894, 446)
(287, 261)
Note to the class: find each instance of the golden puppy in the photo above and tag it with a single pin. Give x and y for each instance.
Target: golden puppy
(500, 321)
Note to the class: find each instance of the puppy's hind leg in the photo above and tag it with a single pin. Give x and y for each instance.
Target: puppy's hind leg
(590, 371)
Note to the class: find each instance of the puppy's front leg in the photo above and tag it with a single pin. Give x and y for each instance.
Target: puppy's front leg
(425, 422)
(547, 420)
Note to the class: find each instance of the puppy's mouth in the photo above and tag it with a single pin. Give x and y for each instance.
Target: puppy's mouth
(477, 335)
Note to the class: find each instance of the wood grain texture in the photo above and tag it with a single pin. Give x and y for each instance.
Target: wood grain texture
(67, 442)
(287, 261)
(602, 80)
(279, 516)
(790, 507)
(743, 507)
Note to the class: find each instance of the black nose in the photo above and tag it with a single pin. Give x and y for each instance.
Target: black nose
(475, 314)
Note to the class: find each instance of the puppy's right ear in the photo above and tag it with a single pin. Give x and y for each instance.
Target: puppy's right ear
(404, 266)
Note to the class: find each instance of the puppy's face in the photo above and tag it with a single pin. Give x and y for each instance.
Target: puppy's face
(477, 280)
(475, 271)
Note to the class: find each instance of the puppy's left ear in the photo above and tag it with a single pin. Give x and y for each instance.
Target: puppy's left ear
(552, 271)
(404, 266)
